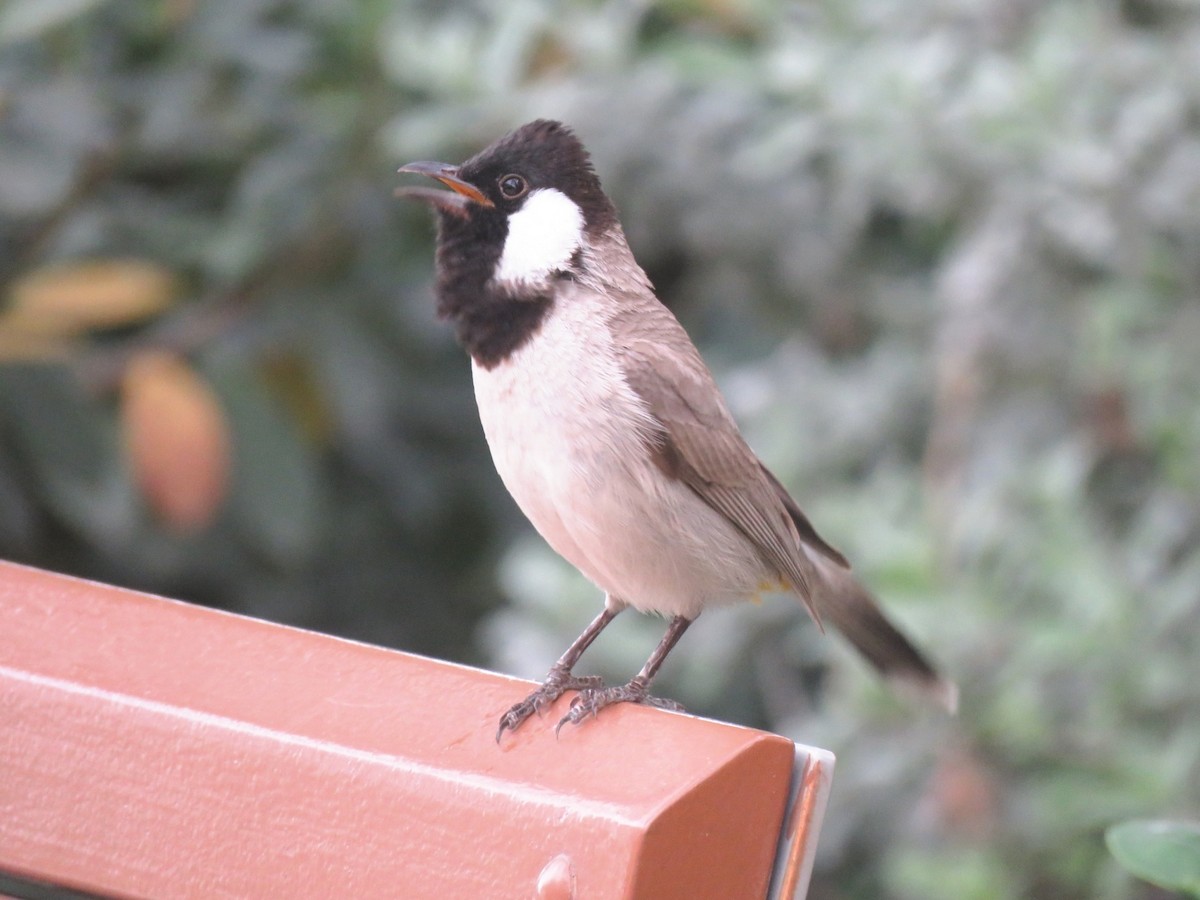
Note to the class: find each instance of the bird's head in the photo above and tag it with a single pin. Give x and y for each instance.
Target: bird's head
(520, 211)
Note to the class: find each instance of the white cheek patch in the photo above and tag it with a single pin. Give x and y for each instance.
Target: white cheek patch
(542, 236)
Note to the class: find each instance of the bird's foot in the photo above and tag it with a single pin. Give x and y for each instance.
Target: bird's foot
(593, 699)
(557, 683)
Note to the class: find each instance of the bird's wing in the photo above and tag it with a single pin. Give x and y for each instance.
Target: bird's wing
(699, 443)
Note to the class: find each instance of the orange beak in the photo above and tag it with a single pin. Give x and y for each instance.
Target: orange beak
(464, 191)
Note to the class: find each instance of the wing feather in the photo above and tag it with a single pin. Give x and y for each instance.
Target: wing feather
(699, 442)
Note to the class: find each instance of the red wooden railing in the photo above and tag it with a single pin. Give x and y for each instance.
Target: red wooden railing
(150, 748)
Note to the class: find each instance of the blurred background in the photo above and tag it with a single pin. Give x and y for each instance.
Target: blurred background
(943, 256)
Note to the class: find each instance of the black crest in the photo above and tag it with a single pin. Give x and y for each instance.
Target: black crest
(547, 155)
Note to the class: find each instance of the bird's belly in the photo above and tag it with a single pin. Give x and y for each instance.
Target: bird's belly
(569, 439)
(654, 544)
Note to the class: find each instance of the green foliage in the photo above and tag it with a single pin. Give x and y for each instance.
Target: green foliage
(942, 255)
(1161, 852)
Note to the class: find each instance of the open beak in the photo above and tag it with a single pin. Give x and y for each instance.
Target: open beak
(464, 194)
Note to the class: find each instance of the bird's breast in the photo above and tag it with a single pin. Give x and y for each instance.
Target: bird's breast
(571, 441)
(558, 414)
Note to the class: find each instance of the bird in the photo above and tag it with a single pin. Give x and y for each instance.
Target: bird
(609, 430)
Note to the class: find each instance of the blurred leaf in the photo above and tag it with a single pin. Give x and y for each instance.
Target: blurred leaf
(18, 511)
(17, 346)
(33, 180)
(290, 377)
(67, 442)
(24, 19)
(1159, 851)
(177, 439)
(964, 873)
(276, 496)
(75, 297)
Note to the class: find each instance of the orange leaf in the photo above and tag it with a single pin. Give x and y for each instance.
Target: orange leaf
(21, 346)
(177, 439)
(75, 297)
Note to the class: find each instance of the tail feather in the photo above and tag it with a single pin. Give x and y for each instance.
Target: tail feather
(843, 600)
(838, 597)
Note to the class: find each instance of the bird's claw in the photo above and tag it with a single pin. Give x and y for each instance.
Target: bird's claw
(593, 699)
(555, 685)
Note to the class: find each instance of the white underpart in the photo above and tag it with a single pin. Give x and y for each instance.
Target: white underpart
(542, 236)
(569, 438)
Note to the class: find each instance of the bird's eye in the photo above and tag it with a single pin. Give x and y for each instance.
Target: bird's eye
(513, 186)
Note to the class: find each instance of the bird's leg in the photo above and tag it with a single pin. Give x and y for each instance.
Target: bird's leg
(593, 699)
(559, 679)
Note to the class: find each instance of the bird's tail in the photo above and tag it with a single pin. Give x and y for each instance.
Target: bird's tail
(841, 599)
(838, 597)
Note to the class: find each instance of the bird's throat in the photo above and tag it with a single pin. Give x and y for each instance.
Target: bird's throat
(497, 327)
(491, 321)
